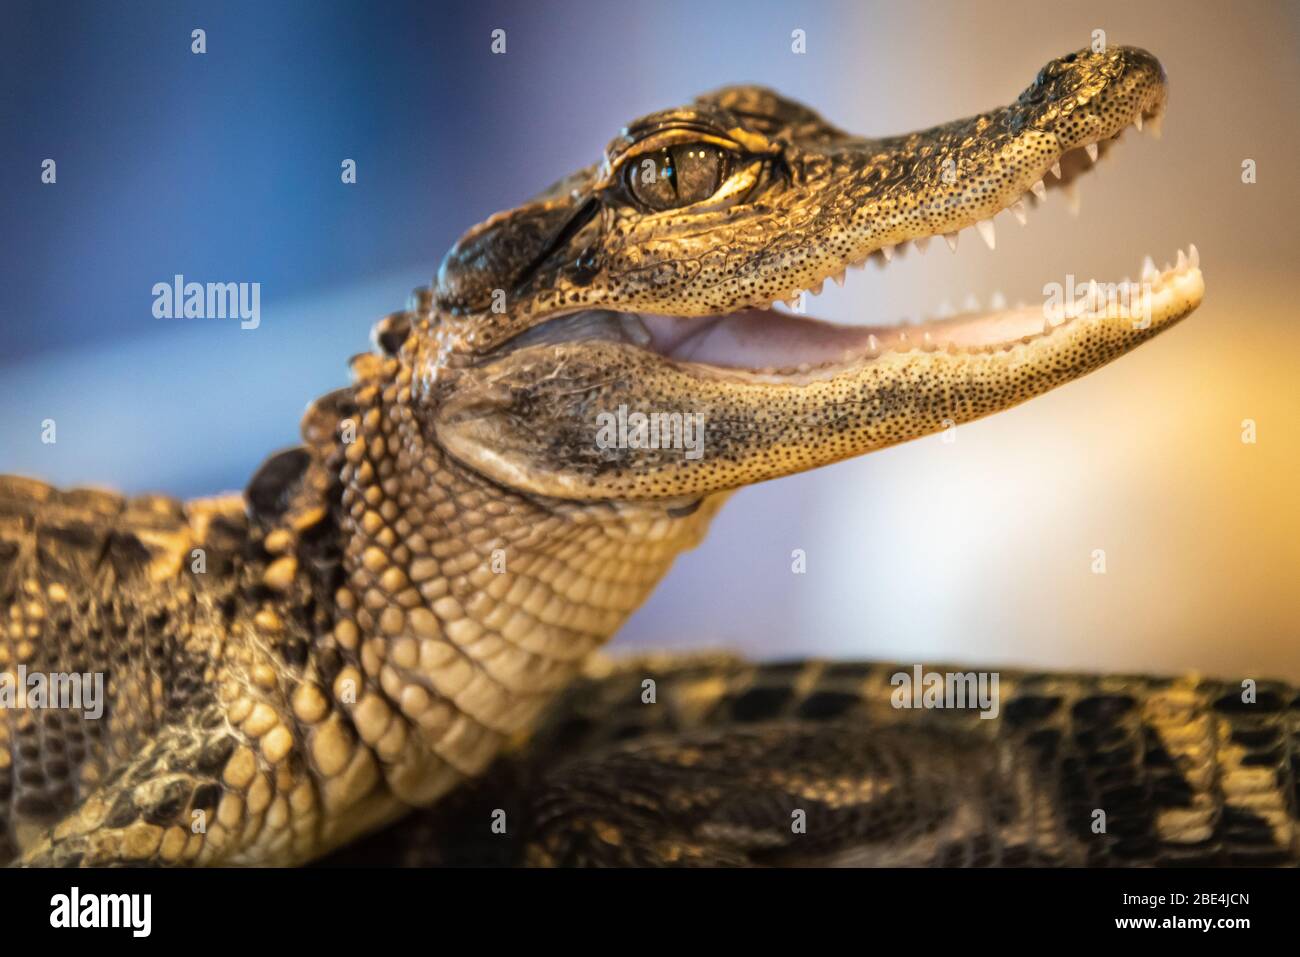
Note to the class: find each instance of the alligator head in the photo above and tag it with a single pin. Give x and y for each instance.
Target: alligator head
(646, 282)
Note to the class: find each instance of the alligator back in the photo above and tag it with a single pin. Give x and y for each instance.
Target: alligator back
(106, 607)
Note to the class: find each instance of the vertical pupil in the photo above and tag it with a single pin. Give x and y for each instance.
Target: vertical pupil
(698, 171)
(683, 174)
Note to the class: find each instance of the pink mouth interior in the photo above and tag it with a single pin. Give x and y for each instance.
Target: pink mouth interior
(762, 338)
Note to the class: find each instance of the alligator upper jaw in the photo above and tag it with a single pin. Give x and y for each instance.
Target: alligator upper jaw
(769, 346)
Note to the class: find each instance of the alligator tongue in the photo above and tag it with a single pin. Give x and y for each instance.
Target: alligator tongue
(754, 339)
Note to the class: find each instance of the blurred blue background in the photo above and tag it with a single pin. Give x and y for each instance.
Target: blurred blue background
(226, 167)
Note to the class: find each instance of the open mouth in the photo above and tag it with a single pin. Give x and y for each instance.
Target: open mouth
(769, 345)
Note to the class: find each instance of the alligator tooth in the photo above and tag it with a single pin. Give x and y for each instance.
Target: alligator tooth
(1194, 255)
(1149, 269)
(1138, 122)
(1182, 261)
(998, 302)
(1047, 325)
(951, 239)
(888, 252)
(1018, 210)
(1039, 190)
(873, 344)
(971, 303)
(634, 328)
(804, 368)
(985, 227)
(1056, 169)
(1092, 151)
(858, 265)
(903, 342)
(922, 243)
(817, 289)
(946, 311)
(1072, 199)
(1156, 122)
(839, 278)
(928, 342)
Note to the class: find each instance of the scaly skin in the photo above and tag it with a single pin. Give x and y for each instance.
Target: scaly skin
(1184, 771)
(393, 604)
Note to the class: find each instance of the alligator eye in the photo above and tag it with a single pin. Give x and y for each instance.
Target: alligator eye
(677, 176)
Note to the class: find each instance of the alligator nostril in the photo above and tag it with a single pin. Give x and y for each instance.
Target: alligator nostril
(1069, 58)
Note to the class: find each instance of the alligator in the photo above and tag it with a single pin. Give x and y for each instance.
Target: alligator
(399, 620)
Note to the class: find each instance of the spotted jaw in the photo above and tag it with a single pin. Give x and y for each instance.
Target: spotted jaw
(1058, 169)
